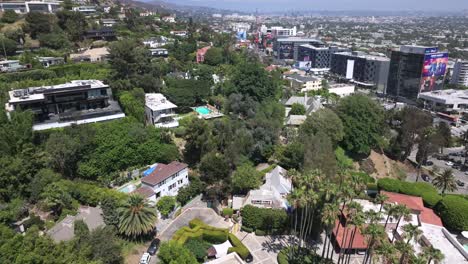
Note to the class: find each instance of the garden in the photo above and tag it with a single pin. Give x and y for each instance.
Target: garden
(199, 237)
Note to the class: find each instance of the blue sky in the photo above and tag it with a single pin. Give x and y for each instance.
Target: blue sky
(333, 5)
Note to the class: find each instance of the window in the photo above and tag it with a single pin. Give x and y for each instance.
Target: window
(172, 186)
(180, 181)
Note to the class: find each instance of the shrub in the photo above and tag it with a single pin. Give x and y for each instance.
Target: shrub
(166, 204)
(34, 220)
(199, 230)
(263, 218)
(215, 236)
(246, 229)
(238, 247)
(228, 212)
(389, 184)
(198, 248)
(259, 232)
(454, 212)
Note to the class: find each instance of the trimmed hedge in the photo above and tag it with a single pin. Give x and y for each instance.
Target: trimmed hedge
(389, 184)
(199, 230)
(264, 218)
(429, 193)
(228, 212)
(259, 232)
(247, 229)
(453, 210)
(238, 247)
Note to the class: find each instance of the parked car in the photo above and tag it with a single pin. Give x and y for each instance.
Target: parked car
(145, 259)
(425, 177)
(460, 183)
(153, 247)
(428, 163)
(449, 163)
(457, 166)
(453, 154)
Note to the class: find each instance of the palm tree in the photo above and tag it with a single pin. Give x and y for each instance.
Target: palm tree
(387, 251)
(405, 250)
(432, 253)
(412, 232)
(445, 181)
(401, 212)
(381, 199)
(390, 209)
(357, 220)
(329, 215)
(136, 217)
(374, 233)
(418, 259)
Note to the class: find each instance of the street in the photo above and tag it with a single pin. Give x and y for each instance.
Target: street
(459, 175)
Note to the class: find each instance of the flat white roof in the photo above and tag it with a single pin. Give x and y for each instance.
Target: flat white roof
(449, 96)
(438, 239)
(45, 126)
(157, 101)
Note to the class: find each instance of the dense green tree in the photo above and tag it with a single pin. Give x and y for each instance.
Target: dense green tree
(171, 252)
(80, 229)
(9, 16)
(8, 46)
(326, 121)
(297, 109)
(187, 93)
(213, 168)
(56, 197)
(110, 212)
(291, 156)
(40, 23)
(15, 132)
(54, 41)
(214, 56)
(246, 178)
(127, 58)
(197, 140)
(136, 218)
(106, 247)
(186, 193)
(73, 23)
(133, 103)
(319, 154)
(363, 122)
(41, 180)
(253, 80)
(62, 150)
(166, 205)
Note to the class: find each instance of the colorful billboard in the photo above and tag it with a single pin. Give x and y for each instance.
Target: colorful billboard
(433, 72)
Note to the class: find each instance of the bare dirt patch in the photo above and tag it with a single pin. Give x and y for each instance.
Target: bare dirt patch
(380, 166)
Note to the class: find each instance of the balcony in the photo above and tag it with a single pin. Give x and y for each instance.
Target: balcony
(167, 124)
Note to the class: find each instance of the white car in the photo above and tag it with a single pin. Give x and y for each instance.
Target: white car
(449, 163)
(145, 259)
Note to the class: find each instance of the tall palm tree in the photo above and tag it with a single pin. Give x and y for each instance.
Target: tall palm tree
(445, 181)
(412, 232)
(390, 210)
(433, 253)
(136, 217)
(329, 215)
(386, 251)
(374, 233)
(401, 212)
(381, 199)
(357, 220)
(405, 250)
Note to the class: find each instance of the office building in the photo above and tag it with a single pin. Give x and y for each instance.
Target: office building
(460, 73)
(288, 48)
(318, 57)
(416, 69)
(159, 111)
(76, 102)
(278, 31)
(364, 70)
(23, 7)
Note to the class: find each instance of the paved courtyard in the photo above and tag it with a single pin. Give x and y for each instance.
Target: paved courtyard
(264, 249)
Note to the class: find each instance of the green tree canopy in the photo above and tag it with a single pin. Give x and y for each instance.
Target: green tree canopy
(297, 109)
(363, 122)
(40, 23)
(136, 218)
(171, 253)
(246, 178)
(214, 56)
(9, 16)
(326, 121)
(165, 205)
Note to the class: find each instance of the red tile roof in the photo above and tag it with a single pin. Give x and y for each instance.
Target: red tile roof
(163, 172)
(144, 191)
(359, 241)
(415, 203)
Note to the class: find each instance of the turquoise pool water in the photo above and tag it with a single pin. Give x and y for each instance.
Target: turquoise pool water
(203, 110)
(127, 189)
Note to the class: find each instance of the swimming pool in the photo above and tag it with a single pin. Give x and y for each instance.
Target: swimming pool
(127, 188)
(203, 110)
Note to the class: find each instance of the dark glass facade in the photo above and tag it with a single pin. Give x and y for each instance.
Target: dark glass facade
(405, 75)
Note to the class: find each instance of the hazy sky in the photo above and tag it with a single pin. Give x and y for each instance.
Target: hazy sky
(288, 5)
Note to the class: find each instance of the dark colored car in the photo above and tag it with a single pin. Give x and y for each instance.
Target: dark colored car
(425, 177)
(456, 166)
(428, 163)
(460, 183)
(153, 246)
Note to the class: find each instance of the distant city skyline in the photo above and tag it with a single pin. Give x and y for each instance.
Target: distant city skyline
(330, 5)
